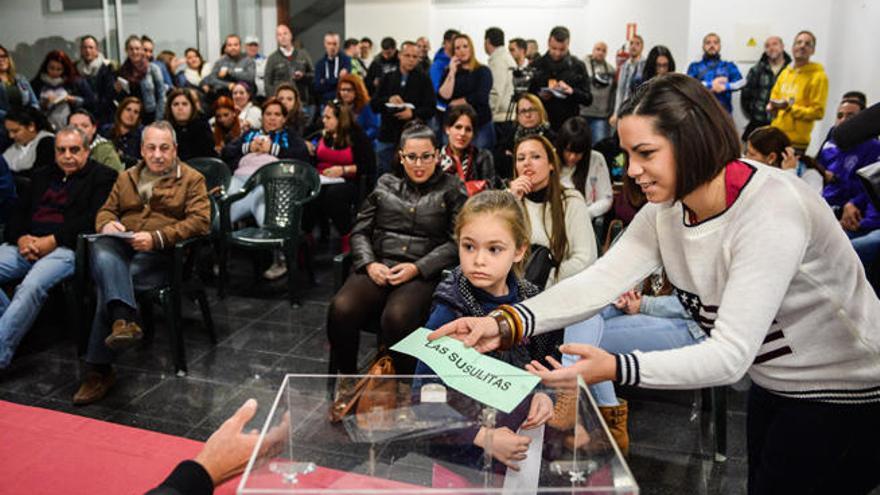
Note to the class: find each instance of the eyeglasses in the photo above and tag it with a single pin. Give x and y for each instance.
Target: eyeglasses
(74, 150)
(413, 158)
(527, 111)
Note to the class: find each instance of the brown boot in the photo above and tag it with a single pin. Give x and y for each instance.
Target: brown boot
(94, 387)
(615, 417)
(124, 334)
(564, 411)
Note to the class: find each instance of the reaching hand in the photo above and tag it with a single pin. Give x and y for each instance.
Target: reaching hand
(594, 366)
(113, 226)
(789, 159)
(540, 411)
(228, 449)
(480, 333)
(142, 241)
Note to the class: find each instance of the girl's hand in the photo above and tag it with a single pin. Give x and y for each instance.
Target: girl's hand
(508, 447)
(480, 333)
(540, 412)
(595, 365)
(520, 186)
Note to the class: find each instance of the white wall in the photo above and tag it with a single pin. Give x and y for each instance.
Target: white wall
(846, 46)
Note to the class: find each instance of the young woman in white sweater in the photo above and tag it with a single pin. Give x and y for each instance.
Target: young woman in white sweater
(583, 169)
(557, 216)
(761, 263)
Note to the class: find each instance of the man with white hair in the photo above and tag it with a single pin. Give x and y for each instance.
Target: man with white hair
(60, 203)
(152, 206)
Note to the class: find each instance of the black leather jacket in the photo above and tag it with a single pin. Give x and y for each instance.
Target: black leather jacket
(401, 222)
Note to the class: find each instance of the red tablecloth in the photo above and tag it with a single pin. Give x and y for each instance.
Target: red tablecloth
(43, 451)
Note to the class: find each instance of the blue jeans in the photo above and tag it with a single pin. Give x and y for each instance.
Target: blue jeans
(599, 128)
(253, 204)
(866, 244)
(617, 332)
(384, 157)
(118, 270)
(17, 315)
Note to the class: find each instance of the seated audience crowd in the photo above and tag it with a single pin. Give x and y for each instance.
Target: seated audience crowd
(400, 143)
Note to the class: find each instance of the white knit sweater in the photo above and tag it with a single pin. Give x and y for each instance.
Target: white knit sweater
(582, 251)
(597, 190)
(773, 279)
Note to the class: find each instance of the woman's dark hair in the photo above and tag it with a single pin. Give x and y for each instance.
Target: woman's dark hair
(575, 136)
(702, 133)
(345, 122)
(198, 54)
(556, 193)
(416, 129)
(458, 111)
(83, 111)
(220, 134)
(69, 73)
(651, 62)
(274, 101)
(131, 39)
(116, 130)
(26, 116)
(169, 100)
(769, 139)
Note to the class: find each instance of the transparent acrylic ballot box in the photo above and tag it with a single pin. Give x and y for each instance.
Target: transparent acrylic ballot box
(417, 434)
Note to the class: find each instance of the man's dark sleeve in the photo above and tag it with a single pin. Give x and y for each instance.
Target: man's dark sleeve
(84, 221)
(427, 103)
(188, 478)
(864, 126)
(20, 219)
(580, 84)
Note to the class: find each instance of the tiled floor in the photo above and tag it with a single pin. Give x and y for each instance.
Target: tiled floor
(261, 338)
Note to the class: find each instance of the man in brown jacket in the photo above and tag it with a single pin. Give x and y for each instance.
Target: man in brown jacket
(152, 206)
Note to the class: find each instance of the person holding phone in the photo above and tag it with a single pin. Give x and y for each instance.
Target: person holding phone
(469, 81)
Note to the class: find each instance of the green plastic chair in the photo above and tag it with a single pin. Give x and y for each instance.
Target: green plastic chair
(217, 180)
(288, 185)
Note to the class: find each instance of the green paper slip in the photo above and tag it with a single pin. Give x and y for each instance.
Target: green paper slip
(480, 377)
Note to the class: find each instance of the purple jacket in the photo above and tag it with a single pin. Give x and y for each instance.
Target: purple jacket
(846, 188)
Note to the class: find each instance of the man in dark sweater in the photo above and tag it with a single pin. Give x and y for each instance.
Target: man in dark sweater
(289, 64)
(60, 204)
(386, 63)
(560, 80)
(402, 89)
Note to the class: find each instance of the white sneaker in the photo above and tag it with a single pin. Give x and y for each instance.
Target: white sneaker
(278, 268)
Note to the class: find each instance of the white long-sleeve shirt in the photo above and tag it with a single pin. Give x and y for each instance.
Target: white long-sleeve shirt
(597, 189)
(773, 280)
(582, 250)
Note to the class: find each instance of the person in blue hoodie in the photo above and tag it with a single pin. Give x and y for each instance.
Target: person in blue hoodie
(721, 77)
(858, 216)
(330, 68)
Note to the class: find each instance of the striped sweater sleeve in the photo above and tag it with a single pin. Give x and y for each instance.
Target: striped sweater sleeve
(581, 296)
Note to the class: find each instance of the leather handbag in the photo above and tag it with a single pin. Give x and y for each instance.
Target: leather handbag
(371, 393)
(539, 265)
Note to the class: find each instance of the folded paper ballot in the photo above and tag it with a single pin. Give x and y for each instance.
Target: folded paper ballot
(120, 235)
(400, 106)
(480, 377)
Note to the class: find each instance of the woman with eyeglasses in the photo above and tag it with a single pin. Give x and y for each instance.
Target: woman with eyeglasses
(352, 91)
(343, 154)
(531, 120)
(400, 244)
(125, 131)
